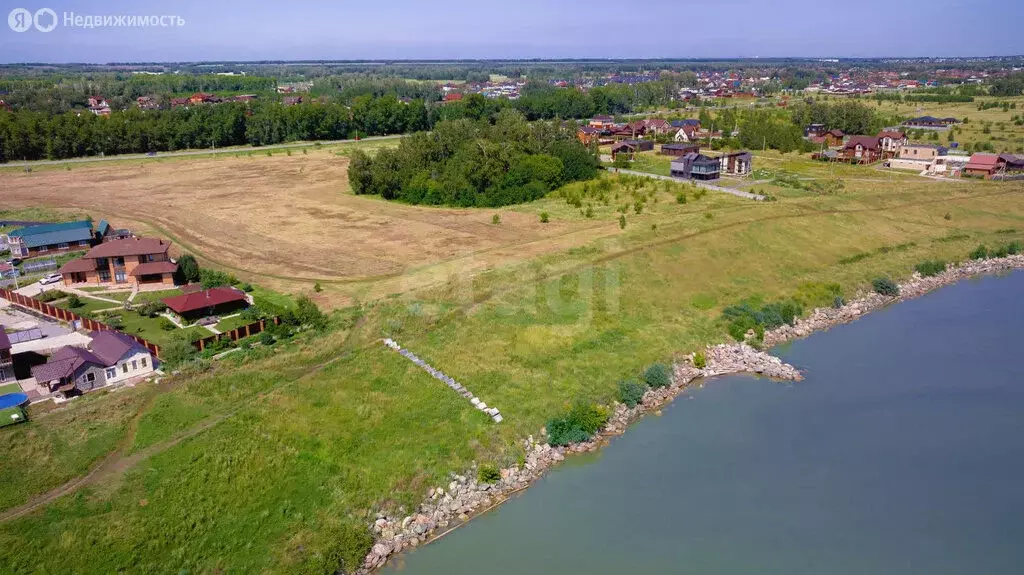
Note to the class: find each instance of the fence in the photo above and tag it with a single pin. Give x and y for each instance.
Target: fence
(235, 334)
(33, 266)
(61, 314)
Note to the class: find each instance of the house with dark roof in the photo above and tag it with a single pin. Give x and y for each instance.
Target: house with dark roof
(1013, 162)
(679, 150)
(693, 166)
(215, 301)
(815, 131)
(44, 239)
(587, 134)
(6, 361)
(891, 141)
(105, 232)
(112, 357)
(141, 262)
(862, 149)
(931, 122)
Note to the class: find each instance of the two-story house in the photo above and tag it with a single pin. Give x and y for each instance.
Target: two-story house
(132, 261)
(891, 141)
(46, 239)
(112, 357)
(862, 150)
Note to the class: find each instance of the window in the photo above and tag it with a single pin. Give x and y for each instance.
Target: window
(120, 276)
(135, 365)
(111, 373)
(83, 243)
(143, 361)
(124, 367)
(62, 246)
(43, 249)
(104, 275)
(89, 377)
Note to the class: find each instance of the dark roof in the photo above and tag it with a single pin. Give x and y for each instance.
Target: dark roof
(741, 154)
(894, 134)
(589, 130)
(52, 234)
(681, 123)
(129, 247)
(110, 346)
(869, 142)
(837, 133)
(150, 268)
(64, 363)
(5, 342)
(679, 146)
(48, 228)
(102, 228)
(623, 145)
(208, 298)
(78, 265)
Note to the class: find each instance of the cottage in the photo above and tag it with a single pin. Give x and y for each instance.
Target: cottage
(146, 103)
(46, 239)
(602, 122)
(6, 361)
(926, 152)
(112, 357)
(735, 163)
(215, 301)
(588, 134)
(931, 122)
(983, 165)
(862, 149)
(105, 232)
(815, 131)
(679, 150)
(1013, 162)
(688, 133)
(136, 261)
(891, 141)
(696, 167)
(657, 126)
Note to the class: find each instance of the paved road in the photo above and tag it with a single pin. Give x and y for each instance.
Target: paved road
(738, 193)
(159, 155)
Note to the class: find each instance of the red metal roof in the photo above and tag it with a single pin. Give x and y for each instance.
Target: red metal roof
(983, 161)
(150, 268)
(868, 142)
(208, 298)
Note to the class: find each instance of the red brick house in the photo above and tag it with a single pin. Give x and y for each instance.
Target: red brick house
(862, 150)
(983, 166)
(132, 261)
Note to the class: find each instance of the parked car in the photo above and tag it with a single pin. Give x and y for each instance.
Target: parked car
(50, 279)
(14, 262)
(209, 320)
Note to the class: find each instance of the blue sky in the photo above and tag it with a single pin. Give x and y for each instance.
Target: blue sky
(408, 29)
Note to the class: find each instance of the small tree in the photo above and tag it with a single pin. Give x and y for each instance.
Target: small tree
(317, 288)
(544, 217)
(496, 219)
(631, 393)
(885, 286)
(188, 268)
(622, 222)
(307, 313)
(700, 361)
(657, 376)
(176, 350)
(74, 301)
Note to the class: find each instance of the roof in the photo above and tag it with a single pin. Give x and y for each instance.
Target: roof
(679, 146)
(869, 142)
(102, 228)
(740, 154)
(129, 247)
(983, 162)
(5, 342)
(149, 268)
(207, 298)
(48, 228)
(837, 133)
(110, 346)
(64, 363)
(589, 130)
(681, 123)
(78, 265)
(894, 134)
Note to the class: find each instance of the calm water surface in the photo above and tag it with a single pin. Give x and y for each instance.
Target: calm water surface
(902, 452)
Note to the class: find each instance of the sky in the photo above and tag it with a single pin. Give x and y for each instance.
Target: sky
(551, 29)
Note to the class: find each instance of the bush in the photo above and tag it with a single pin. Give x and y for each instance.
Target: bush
(51, 295)
(317, 288)
(580, 424)
(544, 217)
(657, 376)
(74, 301)
(631, 393)
(681, 198)
(488, 473)
(979, 253)
(151, 309)
(246, 287)
(885, 286)
(496, 219)
(267, 338)
(1013, 248)
(167, 325)
(700, 361)
(929, 268)
(622, 222)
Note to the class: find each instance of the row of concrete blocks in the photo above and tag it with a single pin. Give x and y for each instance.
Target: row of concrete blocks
(450, 382)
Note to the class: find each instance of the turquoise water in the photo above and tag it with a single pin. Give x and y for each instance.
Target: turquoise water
(901, 452)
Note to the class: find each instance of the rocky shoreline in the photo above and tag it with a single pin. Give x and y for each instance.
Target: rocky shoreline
(447, 507)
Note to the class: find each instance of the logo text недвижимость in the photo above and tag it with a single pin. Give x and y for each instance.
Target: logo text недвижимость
(46, 19)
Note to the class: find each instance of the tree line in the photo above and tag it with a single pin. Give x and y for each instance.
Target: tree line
(475, 163)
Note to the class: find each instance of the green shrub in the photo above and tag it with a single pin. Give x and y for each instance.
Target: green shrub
(151, 309)
(317, 288)
(622, 222)
(496, 219)
(51, 295)
(929, 268)
(167, 325)
(681, 198)
(631, 393)
(700, 361)
(838, 302)
(246, 287)
(74, 301)
(580, 424)
(544, 217)
(1013, 248)
(267, 338)
(657, 376)
(1001, 252)
(885, 286)
(979, 253)
(488, 473)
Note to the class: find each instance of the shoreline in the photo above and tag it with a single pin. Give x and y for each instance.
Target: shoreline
(446, 508)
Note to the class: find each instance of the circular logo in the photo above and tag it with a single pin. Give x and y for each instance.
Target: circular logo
(20, 20)
(45, 19)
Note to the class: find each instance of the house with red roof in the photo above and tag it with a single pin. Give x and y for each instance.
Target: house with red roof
(983, 165)
(891, 142)
(862, 149)
(112, 357)
(134, 261)
(214, 301)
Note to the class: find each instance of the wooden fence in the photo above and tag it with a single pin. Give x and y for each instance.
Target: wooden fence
(235, 334)
(69, 316)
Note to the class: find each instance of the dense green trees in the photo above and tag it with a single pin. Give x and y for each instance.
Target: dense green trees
(849, 116)
(467, 163)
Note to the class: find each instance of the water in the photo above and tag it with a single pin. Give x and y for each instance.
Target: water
(902, 452)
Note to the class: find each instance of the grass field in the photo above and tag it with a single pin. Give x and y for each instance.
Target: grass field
(992, 125)
(274, 460)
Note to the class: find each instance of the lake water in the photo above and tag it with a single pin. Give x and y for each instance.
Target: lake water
(901, 452)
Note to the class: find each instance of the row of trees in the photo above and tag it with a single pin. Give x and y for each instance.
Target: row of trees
(849, 116)
(474, 163)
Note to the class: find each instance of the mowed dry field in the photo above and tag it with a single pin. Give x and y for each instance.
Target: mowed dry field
(288, 222)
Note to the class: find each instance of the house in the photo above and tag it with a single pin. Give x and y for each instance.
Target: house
(926, 152)
(111, 358)
(587, 134)
(834, 138)
(891, 141)
(602, 122)
(46, 239)
(105, 233)
(931, 122)
(293, 100)
(147, 103)
(688, 133)
(696, 167)
(657, 126)
(679, 149)
(735, 163)
(815, 131)
(97, 102)
(983, 165)
(623, 148)
(178, 102)
(215, 301)
(862, 149)
(6, 361)
(449, 97)
(135, 261)
(1013, 162)
(203, 98)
